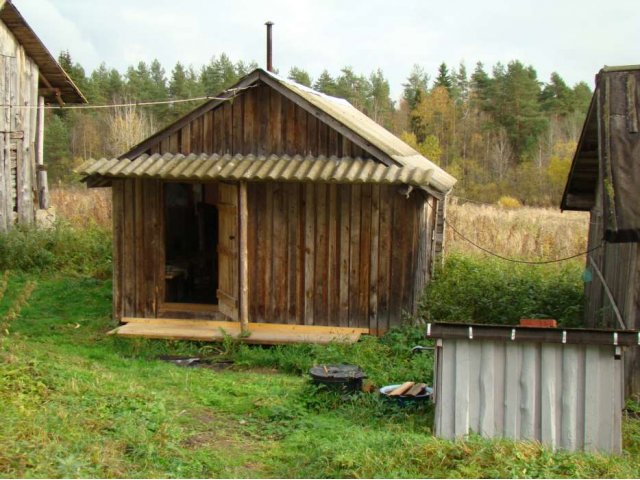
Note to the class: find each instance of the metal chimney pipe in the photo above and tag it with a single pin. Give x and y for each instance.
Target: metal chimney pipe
(269, 47)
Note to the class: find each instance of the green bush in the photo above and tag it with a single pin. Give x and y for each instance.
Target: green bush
(489, 290)
(63, 248)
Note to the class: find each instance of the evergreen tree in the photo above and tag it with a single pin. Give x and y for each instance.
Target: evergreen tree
(518, 109)
(460, 88)
(582, 97)
(444, 78)
(73, 69)
(379, 105)
(326, 84)
(352, 87)
(227, 71)
(57, 151)
(243, 68)
(416, 86)
(105, 85)
(480, 86)
(556, 97)
(414, 91)
(300, 76)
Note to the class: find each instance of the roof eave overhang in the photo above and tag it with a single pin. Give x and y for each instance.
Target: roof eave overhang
(58, 83)
(583, 199)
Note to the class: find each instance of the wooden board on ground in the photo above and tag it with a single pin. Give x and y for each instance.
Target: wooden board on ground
(212, 331)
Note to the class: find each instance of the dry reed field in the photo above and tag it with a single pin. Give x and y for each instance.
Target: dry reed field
(524, 233)
(79, 205)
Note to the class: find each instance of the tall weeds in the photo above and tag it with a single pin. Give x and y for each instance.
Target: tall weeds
(79, 205)
(527, 232)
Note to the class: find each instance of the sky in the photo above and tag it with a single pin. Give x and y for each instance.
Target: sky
(572, 37)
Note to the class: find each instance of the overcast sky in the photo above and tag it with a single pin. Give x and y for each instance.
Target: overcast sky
(573, 37)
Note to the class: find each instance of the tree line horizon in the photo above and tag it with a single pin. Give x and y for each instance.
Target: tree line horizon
(501, 132)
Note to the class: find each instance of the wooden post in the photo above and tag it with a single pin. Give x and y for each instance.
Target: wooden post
(42, 180)
(243, 258)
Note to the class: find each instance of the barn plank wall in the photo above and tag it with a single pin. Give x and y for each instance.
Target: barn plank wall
(261, 121)
(138, 248)
(18, 87)
(619, 264)
(318, 259)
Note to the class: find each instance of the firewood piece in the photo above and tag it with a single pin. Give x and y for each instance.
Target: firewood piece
(416, 390)
(401, 389)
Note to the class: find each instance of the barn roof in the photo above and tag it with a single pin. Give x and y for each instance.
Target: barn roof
(608, 154)
(52, 76)
(337, 113)
(253, 168)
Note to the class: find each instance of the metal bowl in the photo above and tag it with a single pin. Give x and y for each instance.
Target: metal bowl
(404, 400)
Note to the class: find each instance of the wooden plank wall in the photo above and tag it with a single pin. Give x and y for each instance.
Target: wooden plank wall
(619, 264)
(262, 122)
(138, 247)
(341, 255)
(18, 87)
(319, 254)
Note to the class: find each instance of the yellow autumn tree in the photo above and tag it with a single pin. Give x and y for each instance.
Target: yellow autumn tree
(436, 114)
(558, 168)
(430, 147)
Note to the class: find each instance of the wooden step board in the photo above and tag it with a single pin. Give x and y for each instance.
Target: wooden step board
(215, 331)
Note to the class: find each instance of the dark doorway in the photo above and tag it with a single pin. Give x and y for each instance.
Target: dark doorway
(191, 239)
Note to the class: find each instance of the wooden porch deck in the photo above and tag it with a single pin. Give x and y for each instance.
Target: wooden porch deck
(215, 331)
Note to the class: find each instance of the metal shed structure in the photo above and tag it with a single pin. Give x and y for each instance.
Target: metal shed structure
(561, 387)
(274, 205)
(605, 180)
(29, 76)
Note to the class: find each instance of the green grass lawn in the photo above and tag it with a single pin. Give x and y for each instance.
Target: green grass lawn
(76, 403)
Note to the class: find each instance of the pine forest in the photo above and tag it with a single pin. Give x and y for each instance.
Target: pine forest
(501, 131)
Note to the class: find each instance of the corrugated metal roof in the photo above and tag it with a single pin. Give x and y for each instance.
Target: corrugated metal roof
(358, 122)
(256, 168)
(566, 396)
(48, 66)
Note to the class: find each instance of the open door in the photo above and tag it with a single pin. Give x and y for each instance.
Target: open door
(228, 250)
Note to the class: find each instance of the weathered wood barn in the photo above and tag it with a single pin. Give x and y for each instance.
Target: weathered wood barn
(271, 204)
(29, 76)
(605, 180)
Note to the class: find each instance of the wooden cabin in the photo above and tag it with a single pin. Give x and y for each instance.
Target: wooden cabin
(29, 77)
(605, 180)
(272, 204)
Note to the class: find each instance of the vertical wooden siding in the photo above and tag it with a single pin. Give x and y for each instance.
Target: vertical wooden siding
(619, 264)
(138, 247)
(262, 122)
(18, 86)
(344, 255)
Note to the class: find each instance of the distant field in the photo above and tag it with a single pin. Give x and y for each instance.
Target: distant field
(526, 233)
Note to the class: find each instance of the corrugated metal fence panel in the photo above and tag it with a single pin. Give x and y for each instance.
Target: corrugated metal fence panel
(566, 396)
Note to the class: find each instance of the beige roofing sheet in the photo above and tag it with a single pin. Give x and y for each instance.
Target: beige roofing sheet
(257, 168)
(368, 129)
